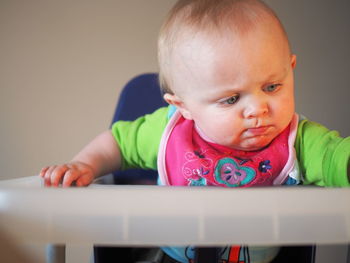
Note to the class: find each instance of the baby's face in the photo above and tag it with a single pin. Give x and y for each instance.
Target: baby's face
(238, 90)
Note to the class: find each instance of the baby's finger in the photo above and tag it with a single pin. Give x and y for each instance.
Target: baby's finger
(57, 174)
(84, 180)
(47, 176)
(43, 171)
(70, 176)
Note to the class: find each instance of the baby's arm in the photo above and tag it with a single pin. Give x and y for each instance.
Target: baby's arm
(101, 156)
(323, 155)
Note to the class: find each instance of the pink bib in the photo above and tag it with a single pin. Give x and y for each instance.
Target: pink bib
(186, 159)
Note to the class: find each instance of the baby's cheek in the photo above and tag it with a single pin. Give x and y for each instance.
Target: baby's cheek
(285, 105)
(288, 100)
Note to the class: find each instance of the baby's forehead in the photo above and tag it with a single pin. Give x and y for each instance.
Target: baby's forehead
(231, 54)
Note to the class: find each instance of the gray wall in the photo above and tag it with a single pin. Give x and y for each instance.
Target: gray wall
(62, 64)
(319, 31)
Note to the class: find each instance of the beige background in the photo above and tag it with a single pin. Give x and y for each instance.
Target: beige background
(62, 64)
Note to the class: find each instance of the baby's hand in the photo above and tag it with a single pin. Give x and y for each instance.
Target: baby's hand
(76, 172)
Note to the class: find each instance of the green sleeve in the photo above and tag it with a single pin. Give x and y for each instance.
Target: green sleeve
(323, 155)
(139, 140)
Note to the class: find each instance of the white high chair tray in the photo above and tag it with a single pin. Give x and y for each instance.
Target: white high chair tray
(156, 215)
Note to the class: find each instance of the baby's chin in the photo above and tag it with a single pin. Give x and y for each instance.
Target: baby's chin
(254, 143)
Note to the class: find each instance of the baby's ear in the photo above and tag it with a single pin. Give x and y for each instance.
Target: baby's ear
(293, 60)
(179, 104)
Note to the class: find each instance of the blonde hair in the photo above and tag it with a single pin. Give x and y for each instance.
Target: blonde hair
(206, 16)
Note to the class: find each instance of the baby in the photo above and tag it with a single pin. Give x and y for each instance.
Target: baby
(226, 69)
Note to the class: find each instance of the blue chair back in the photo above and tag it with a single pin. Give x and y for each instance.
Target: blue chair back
(140, 96)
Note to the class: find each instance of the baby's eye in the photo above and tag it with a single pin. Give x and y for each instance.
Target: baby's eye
(231, 100)
(272, 87)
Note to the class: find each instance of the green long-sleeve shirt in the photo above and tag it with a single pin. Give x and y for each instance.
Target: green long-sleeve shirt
(322, 154)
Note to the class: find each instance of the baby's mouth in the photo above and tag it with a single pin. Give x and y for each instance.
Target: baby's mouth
(258, 131)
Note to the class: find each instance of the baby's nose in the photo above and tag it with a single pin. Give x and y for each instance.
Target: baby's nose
(255, 107)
